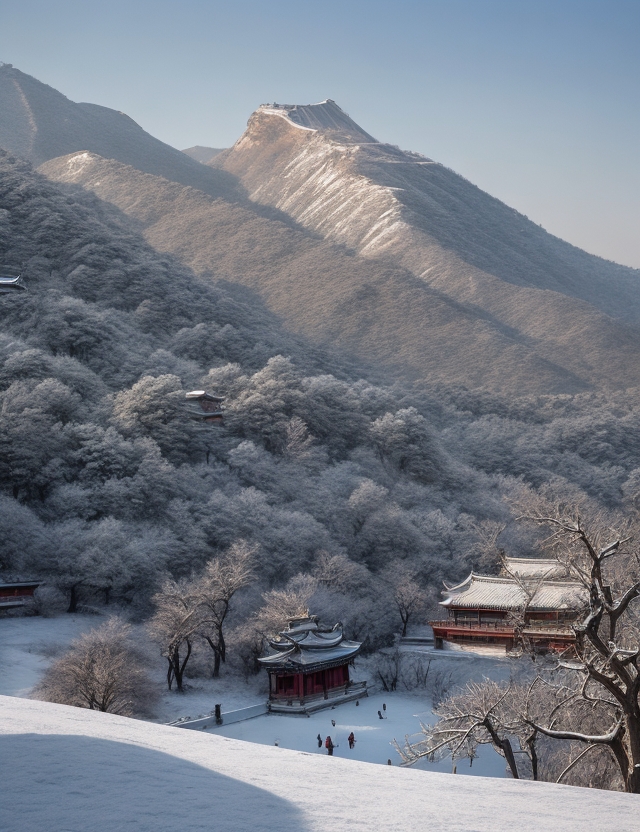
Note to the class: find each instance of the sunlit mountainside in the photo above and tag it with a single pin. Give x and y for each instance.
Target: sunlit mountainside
(382, 254)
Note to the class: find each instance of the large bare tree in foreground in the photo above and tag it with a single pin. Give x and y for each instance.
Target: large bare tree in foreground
(590, 702)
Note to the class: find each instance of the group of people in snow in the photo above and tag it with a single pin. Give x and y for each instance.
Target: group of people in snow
(329, 745)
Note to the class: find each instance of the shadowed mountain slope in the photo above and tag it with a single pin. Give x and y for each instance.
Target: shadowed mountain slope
(202, 154)
(383, 202)
(39, 123)
(372, 309)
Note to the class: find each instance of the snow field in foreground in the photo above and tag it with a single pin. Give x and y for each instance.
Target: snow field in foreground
(71, 770)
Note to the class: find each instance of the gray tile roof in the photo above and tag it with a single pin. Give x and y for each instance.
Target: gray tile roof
(504, 593)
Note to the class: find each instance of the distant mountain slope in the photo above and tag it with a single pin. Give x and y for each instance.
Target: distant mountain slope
(375, 311)
(383, 202)
(202, 154)
(38, 123)
(119, 773)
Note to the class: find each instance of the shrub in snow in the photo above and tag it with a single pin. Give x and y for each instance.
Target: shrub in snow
(102, 671)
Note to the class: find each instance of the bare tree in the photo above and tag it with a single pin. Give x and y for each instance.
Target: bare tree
(175, 625)
(222, 578)
(101, 671)
(590, 703)
(408, 596)
(282, 605)
(480, 713)
(606, 663)
(388, 669)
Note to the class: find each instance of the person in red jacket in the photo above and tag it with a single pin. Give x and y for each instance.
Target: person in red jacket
(328, 744)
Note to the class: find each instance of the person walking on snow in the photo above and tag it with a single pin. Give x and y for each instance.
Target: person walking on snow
(328, 744)
(351, 740)
(319, 741)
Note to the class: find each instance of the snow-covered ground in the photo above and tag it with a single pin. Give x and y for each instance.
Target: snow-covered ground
(70, 770)
(29, 643)
(373, 735)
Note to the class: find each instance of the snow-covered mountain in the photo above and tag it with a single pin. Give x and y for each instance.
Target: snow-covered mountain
(67, 768)
(334, 178)
(373, 310)
(389, 258)
(39, 123)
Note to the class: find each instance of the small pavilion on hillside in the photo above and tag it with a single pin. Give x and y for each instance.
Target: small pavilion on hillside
(309, 667)
(533, 601)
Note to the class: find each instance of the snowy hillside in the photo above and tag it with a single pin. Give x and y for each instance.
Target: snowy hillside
(372, 310)
(70, 769)
(522, 296)
(39, 123)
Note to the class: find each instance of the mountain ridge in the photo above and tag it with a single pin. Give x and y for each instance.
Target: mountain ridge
(375, 311)
(380, 253)
(39, 123)
(381, 201)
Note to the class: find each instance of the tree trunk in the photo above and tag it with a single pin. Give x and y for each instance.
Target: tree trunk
(504, 745)
(217, 656)
(177, 667)
(533, 754)
(73, 600)
(222, 645)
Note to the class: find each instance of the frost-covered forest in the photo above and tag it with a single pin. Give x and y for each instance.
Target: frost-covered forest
(108, 489)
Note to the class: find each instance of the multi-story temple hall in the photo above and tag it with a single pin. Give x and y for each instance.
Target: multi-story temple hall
(532, 602)
(309, 668)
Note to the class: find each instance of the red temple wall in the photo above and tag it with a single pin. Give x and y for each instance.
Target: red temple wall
(309, 684)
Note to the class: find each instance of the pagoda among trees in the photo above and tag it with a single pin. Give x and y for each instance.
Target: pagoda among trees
(309, 668)
(533, 602)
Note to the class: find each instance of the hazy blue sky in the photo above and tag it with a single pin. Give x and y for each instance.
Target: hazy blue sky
(535, 101)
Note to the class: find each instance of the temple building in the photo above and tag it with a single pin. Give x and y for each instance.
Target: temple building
(309, 668)
(533, 602)
(15, 593)
(203, 407)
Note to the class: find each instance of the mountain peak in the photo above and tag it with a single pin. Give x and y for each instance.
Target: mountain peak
(326, 117)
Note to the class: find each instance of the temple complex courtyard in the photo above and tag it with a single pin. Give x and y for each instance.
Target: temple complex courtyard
(28, 645)
(373, 736)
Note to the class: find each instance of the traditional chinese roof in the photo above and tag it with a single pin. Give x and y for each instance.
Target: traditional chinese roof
(10, 281)
(504, 593)
(531, 568)
(203, 396)
(303, 647)
(203, 406)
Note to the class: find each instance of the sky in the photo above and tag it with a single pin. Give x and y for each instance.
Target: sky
(535, 101)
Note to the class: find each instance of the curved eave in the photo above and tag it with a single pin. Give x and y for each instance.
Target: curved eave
(301, 661)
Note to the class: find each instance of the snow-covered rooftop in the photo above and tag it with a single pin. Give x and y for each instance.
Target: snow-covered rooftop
(69, 769)
(504, 593)
(528, 568)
